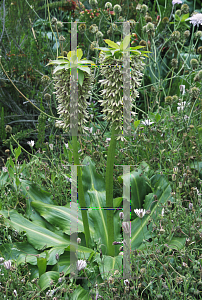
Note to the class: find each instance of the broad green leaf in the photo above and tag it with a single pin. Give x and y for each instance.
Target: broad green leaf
(84, 68)
(85, 61)
(157, 117)
(137, 47)
(57, 62)
(136, 123)
(112, 44)
(4, 178)
(110, 265)
(17, 152)
(139, 188)
(126, 42)
(177, 17)
(184, 17)
(33, 192)
(95, 196)
(45, 238)
(91, 179)
(80, 294)
(177, 243)
(46, 278)
(63, 67)
(162, 191)
(79, 53)
(27, 253)
(70, 55)
(117, 201)
(61, 216)
(103, 49)
(41, 264)
(80, 77)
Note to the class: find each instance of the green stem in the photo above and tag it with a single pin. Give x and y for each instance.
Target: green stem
(109, 191)
(82, 202)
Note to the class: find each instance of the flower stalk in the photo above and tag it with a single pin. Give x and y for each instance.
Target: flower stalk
(109, 189)
(81, 192)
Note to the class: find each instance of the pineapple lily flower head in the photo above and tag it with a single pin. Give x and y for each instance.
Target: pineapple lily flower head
(72, 60)
(111, 62)
(63, 85)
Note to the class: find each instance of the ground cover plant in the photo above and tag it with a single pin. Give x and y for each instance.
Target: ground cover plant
(133, 231)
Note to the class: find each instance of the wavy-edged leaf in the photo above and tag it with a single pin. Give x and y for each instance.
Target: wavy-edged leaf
(47, 278)
(61, 216)
(162, 190)
(80, 294)
(110, 265)
(91, 179)
(177, 243)
(139, 188)
(45, 238)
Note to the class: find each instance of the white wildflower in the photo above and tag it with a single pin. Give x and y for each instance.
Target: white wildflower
(126, 282)
(31, 143)
(195, 19)
(51, 146)
(147, 122)
(108, 139)
(7, 264)
(78, 240)
(176, 2)
(126, 227)
(181, 105)
(140, 212)
(81, 264)
(66, 146)
(182, 89)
